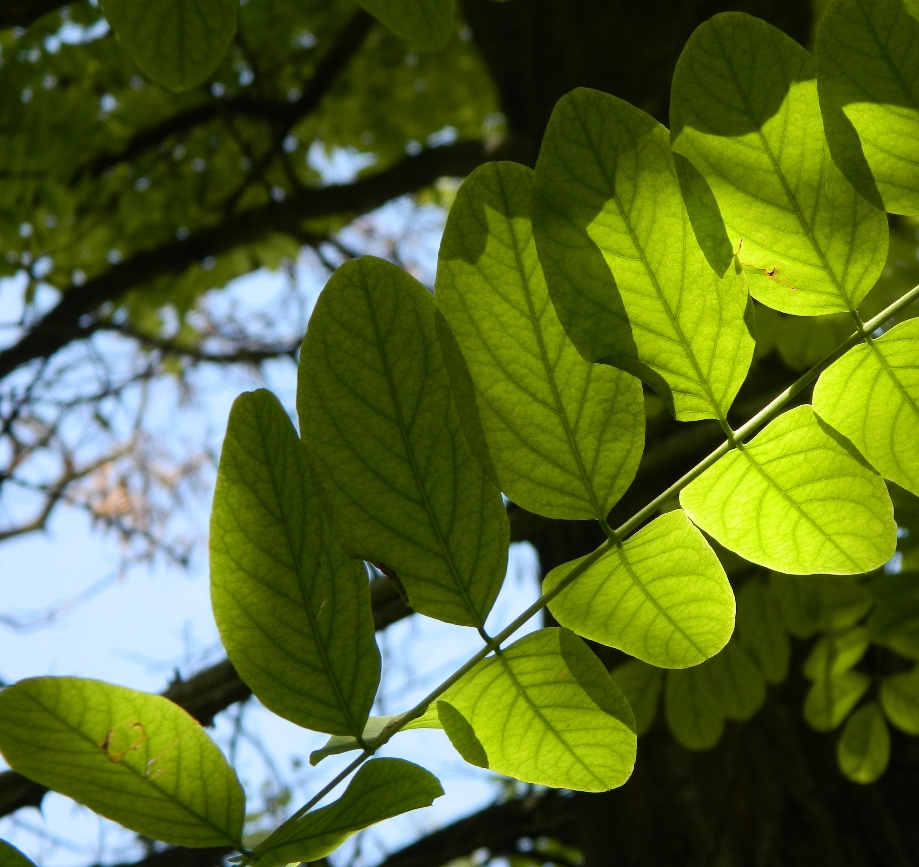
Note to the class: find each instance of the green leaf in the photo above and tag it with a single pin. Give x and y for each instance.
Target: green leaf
(10, 856)
(427, 22)
(661, 596)
(829, 700)
(736, 682)
(796, 500)
(869, 93)
(628, 280)
(900, 700)
(176, 42)
(564, 436)
(338, 744)
(381, 789)
(836, 653)
(693, 711)
(863, 750)
(641, 685)
(804, 341)
(761, 631)
(135, 758)
(871, 395)
(894, 623)
(375, 407)
(545, 711)
(746, 119)
(825, 603)
(293, 611)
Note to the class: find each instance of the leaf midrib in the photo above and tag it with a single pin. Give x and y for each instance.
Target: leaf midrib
(435, 525)
(661, 297)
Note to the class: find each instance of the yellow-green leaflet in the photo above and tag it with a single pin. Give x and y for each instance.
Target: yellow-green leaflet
(661, 596)
(135, 758)
(293, 610)
(543, 710)
(176, 42)
(428, 23)
(384, 434)
(564, 437)
(756, 171)
(627, 277)
(869, 85)
(871, 395)
(796, 500)
(381, 789)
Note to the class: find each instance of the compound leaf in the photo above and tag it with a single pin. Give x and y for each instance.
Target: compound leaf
(427, 22)
(135, 758)
(629, 282)
(641, 685)
(761, 631)
(293, 610)
(871, 395)
(869, 93)
(796, 500)
(176, 42)
(830, 699)
(381, 789)
(545, 711)
(693, 711)
(661, 596)
(376, 409)
(864, 746)
(564, 436)
(900, 700)
(10, 856)
(746, 120)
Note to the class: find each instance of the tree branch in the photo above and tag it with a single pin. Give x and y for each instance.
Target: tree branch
(77, 315)
(204, 695)
(280, 112)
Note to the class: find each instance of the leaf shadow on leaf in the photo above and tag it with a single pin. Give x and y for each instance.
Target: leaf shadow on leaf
(848, 152)
(704, 215)
(843, 442)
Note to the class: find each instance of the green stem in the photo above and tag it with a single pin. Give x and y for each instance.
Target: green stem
(764, 415)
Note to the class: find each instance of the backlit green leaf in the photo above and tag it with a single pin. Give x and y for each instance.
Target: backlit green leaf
(864, 746)
(641, 685)
(10, 856)
(176, 42)
(900, 700)
(628, 280)
(836, 653)
(293, 610)
(564, 436)
(136, 758)
(894, 623)
(338, 744)
(803, 341)
(757, 173)
(761, 631)
(427, 22)
(545, 711)
(381, 789)
(823, 603)
(871, 395)
(661, 596)
(375, 407)
(830, 699)
(869, 93)
(796, 500)
(694, 713)
(736, 682)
